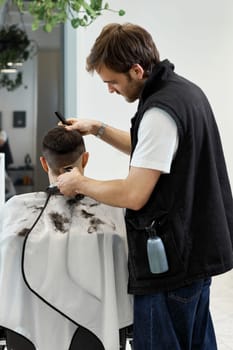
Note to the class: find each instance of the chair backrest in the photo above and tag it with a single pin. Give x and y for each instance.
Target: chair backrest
(16, 341)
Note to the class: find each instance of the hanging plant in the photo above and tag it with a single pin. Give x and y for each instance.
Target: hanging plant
(14, 43)
(15, 48)
(9, 83)
(50, 13)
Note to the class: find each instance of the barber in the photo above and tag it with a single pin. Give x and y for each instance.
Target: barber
(177, 183)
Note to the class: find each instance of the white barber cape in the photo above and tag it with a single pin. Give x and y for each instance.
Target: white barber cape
(70, 270)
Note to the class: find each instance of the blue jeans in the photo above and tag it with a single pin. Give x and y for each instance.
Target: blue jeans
(175, 320)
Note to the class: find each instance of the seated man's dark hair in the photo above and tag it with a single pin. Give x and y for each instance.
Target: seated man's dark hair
(62, 147)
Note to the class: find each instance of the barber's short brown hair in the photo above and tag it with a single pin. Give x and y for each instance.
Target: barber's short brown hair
(62, 147)
(119, 46)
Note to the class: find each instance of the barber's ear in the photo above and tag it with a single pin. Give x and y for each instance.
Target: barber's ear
(85, 157)
(136, 71)
(44, 164)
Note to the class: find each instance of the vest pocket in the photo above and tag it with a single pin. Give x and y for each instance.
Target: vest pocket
(138, 258)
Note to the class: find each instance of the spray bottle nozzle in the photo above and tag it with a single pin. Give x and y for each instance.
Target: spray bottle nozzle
(152, 229)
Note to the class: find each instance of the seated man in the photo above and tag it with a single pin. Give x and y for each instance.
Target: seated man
(67, 267)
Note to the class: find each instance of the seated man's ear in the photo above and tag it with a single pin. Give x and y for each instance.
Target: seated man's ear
(85, 157)
(44, 164)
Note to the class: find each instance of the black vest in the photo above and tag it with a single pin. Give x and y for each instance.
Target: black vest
(192, 205)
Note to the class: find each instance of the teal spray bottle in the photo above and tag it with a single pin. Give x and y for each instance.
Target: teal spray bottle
(155, 251)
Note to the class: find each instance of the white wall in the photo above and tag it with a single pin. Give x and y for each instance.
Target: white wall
(195, 35)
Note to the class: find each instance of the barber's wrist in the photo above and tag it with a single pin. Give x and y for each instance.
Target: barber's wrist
(100, 129)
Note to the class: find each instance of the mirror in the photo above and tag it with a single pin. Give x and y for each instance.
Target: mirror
(28, 111)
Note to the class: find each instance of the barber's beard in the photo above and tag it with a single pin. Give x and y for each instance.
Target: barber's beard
(133, 90)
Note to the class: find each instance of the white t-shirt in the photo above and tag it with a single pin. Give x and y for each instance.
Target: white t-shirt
(157, 141)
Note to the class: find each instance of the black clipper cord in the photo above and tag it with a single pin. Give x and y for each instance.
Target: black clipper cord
(22, 264)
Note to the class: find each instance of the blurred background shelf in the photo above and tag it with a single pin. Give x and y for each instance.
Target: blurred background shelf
(23, 178)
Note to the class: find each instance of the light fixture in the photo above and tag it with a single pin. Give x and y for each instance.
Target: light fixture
(8, 70)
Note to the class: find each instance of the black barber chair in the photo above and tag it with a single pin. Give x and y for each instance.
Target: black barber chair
(2, 339)
(15, 341)
(126, 334)
(83, 339)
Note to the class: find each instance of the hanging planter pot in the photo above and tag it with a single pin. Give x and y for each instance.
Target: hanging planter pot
(15, 48)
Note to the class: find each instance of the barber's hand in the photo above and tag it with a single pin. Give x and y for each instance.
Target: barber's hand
(68, 182)
(84, 126)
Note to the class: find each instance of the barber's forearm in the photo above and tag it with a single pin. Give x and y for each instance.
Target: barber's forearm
(117, 138)
(112, 192)
(117, 193)
(132, 192)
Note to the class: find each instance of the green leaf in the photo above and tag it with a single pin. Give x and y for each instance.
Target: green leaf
(35, 25)
(75, 22)
(88, 9)
(121, 12)
(96, 4)
(48, 27)
(83, 23)
(76, 6)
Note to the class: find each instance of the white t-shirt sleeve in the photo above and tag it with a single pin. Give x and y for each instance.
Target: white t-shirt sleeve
(157, 141)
